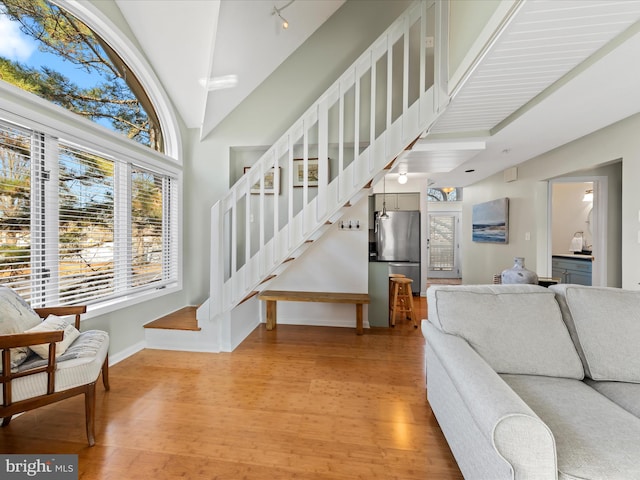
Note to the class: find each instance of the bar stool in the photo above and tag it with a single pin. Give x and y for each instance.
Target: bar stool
(392, 275)
(402, 300)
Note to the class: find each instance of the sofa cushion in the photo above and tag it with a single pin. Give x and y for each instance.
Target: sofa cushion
(605, 323)
(595, 438)
(16, 316)
(627, 395)
(51, 324)
(515, 328)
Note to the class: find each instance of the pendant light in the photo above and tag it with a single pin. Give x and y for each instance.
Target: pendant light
(384, 197)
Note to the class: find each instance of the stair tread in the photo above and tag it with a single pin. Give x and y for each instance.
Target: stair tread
(183, 319)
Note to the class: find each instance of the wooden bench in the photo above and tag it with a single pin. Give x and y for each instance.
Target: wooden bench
(273, 296)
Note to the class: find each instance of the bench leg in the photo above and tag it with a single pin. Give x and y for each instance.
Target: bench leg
(271, 314)
(359, 327)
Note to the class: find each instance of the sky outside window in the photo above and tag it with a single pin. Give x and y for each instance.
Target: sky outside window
(88, 83)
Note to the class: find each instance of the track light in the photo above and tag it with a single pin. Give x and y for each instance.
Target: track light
(276, 11)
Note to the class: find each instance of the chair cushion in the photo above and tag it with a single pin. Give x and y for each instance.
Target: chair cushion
(606, 324)
(16, 316)
(79, 365)
(515, 328)
(51, 324)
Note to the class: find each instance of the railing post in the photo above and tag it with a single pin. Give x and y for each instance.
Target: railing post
(323, 159)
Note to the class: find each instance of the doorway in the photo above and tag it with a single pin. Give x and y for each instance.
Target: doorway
(578, 224)
(443, 245)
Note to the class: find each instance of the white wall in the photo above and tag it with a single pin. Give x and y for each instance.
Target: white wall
(336, 262)
(592, 155)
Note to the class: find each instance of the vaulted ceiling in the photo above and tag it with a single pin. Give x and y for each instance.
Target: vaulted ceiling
(560, 70)
(218, 38)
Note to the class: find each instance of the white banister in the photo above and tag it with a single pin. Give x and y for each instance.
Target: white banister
(386, 99)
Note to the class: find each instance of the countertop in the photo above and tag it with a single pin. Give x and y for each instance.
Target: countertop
(574, 255)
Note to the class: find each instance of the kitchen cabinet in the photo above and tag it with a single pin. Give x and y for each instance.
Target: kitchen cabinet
(572, 269)
(379, 294)
(398, 201)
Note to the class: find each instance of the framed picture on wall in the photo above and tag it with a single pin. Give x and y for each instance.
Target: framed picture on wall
(298, 172)
(271, 182)
(490, 221)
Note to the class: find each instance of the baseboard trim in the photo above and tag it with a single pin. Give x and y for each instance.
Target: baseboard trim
(126, 353)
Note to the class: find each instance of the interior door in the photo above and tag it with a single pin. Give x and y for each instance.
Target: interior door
(443, 245)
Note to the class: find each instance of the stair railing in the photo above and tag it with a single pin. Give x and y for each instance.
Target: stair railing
(356, 128)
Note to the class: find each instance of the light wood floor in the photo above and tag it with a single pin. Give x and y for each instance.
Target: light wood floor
(295, 403)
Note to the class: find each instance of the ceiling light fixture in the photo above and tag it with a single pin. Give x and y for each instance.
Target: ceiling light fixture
(402, 178)
(447, 190)
(219, 83)
(384, 197)
(276, 11)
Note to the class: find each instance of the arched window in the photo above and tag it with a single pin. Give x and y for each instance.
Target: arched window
(86, 216)
(445, 194)
(51, 53)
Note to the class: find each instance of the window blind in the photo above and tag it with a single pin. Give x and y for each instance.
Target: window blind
(94, 227)
(15, 208)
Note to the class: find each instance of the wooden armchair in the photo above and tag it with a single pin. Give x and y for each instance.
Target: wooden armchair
(39, 382)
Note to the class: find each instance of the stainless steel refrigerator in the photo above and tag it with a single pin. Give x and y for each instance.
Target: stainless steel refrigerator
(398, 242)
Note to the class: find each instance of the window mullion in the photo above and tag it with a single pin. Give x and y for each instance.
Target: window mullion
(52, 221)
(37, 221)
(122, 226)
(167, 242)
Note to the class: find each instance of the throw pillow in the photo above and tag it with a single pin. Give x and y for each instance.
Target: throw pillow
(16, 316)
(516, 329)
(51, 324)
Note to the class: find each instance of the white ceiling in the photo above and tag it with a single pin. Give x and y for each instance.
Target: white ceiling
(188, 41)
(560, 70)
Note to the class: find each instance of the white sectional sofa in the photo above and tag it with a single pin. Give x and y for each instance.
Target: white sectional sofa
(535, 383)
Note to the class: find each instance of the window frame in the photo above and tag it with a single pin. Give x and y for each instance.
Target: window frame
(92, 16)
(39, 115)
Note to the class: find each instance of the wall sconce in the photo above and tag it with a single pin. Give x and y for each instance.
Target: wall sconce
(402, 178)
(588, 196)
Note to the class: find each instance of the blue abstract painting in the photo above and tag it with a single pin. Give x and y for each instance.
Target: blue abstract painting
(490, 221)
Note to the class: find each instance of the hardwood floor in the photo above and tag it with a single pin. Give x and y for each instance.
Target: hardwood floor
(297, 402)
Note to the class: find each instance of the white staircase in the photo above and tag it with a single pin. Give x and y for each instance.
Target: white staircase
(378, 107)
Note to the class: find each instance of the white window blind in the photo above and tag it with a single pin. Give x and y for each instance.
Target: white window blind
(15, 207)
(90, 227)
